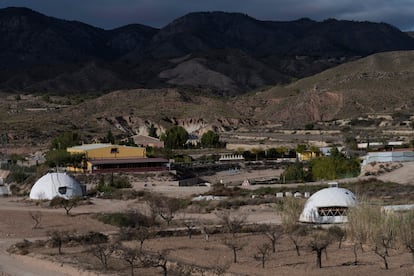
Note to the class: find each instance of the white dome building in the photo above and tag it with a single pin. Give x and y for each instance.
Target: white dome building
(328, 205)
(52, 185)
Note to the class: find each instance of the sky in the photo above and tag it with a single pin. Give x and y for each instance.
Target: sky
(109, 14)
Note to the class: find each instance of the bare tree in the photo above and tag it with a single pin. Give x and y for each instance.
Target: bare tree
(57, 237)
(337, 233)
(206, 231)
(263, 252)
(384, 235)
(232, 222)
(359, 226)
(103, 253)
(140, 233)
(406, 231)
(165, 207)
(159, 260)
(190, 225)
(296, 235)
(273, 233)
(37, 218)
(134, 257)
(318, 243)
(235, 245)
(162, 262)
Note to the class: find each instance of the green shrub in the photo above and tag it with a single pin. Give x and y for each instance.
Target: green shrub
(127, 219)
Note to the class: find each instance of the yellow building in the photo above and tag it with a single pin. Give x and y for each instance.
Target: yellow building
(308, 155)
(105, 151)
(115, 158)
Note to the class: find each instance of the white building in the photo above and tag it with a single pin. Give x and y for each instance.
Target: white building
(52, 185)
(329, 205)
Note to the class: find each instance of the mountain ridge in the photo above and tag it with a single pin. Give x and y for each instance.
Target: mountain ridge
(238, 53)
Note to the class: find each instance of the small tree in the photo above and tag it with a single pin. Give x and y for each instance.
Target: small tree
(273, 233)
(235, 245)
(133, 257)
(318, 243)
(158, 260)
(67, 204)
(232, 222)
(383, 236)
(152, 131)
(175, 137)
(210, 139)
(103, 253)
(262, 253)
(142, 234)
(359, 226)
(190, 225)
(298, 232)
(165, 207)
(57, 238)
(337, 233)
(37, 218)
(406, 231)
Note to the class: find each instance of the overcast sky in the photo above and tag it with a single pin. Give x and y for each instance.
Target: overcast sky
(110, 14)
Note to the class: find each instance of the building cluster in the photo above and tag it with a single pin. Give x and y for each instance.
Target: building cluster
(103, 158)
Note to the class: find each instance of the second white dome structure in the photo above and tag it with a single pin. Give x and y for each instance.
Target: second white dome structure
(329, 205)
(56, 184)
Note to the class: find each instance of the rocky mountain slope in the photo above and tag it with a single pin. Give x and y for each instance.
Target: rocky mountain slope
(372, 94)
(216, 52)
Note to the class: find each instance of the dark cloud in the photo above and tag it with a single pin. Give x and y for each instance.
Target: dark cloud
(157, 13)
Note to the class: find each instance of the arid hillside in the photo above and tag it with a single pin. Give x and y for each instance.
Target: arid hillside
(371, 94)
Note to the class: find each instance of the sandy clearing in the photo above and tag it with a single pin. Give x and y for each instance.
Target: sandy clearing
(403, 175)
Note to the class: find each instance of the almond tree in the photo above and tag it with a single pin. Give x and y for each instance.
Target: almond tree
(359, 226)
(57, 237)
(232, 222)
(37, 218)
(190, 225)
(133, 257)
(406, 231)
(103, 253)
(165, 207)
(384, 235)
(273, 233)
(296, 234)
(262, 253)
(320, 240)
(337, 233)
(235, 245)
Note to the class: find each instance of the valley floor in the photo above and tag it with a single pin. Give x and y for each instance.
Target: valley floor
(17, 225)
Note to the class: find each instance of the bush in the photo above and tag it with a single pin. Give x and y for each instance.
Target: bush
(131, 218)
(93, 238)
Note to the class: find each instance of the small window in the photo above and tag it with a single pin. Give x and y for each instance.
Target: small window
(62, 190)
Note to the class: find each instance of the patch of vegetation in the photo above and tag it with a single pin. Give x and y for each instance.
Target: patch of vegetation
(110, 186)
(131, 218)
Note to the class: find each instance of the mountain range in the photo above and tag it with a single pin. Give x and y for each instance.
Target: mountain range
(213, 52)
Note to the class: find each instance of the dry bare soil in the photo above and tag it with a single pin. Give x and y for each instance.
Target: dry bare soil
(207, 256)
